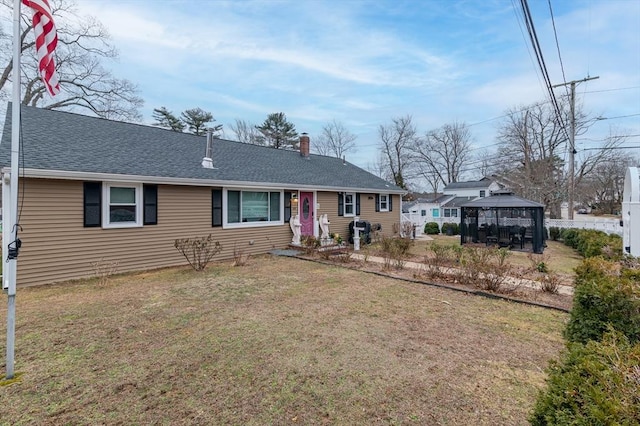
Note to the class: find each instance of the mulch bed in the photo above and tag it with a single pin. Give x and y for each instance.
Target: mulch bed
(521, 294)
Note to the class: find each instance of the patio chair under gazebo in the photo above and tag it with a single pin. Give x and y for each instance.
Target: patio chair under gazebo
(503, 219)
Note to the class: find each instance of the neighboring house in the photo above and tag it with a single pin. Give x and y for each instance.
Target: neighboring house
(446, 207)
(95, 190)
(421, 208)
(459, 193)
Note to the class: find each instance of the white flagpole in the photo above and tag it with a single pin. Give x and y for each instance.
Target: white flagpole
(9, 235)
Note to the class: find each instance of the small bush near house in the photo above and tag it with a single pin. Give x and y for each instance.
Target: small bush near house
(549, 283)
(431, 228)
(595, 384)
(485, 268)
(604, 297)
(454, 227)
(395, 251)
(554, 233)
(198, 251)
(310, 244)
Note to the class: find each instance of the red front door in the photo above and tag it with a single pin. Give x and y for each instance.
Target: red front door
(306, 213)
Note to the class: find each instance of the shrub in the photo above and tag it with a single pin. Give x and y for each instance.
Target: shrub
(554, 233)
(603, 298)
(198, 250)
(431, 228)
(454, 227)
(310, 244)
(441, 253)
(395, 250)
(590, 242)
(569, 237)
(485, 268)
(104, 269)
(549, 283)
(594, 384)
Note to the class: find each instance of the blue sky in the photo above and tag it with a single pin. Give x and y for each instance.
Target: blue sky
(364, 62)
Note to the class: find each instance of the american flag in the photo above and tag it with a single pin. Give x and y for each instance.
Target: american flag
(46, 42)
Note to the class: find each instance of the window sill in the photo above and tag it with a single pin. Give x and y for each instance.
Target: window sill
(122, 225)
(251, 225)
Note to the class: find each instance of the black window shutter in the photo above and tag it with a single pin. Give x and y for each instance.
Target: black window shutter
(358, 204)
(287, 206)
(390, 197)
(150, 203)
(216, 207)
(377, 202)
(340, 204)
(92, 204)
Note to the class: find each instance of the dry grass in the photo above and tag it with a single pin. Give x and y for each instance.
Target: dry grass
(280, 341)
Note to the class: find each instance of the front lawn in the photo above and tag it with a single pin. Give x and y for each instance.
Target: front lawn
(278, 341)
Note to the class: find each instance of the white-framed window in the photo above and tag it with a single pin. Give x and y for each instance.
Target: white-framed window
(482, 193)
(450, 212)
(251, 208)
(384, 203)
(349, 204)
(122, 207)
(435, 212)
(423, 213)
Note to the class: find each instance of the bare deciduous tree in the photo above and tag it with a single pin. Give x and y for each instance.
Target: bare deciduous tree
(83, 45)
(335, 140)
(533, 148)
(246, 132)
(442, 153)
(396, 141)
(601, 181)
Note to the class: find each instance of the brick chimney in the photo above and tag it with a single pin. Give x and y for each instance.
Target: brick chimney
(304, 145)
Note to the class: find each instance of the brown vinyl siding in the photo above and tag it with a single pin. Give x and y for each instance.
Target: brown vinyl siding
(57, 247)
(340, 224)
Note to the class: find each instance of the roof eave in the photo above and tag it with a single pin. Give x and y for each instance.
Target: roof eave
(163, 180)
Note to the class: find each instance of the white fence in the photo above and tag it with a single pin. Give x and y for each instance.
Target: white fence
(610, 226)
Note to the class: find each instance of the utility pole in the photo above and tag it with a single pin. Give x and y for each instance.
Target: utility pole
(572, 138)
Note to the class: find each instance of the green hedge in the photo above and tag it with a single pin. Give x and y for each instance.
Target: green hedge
(597, 382)
(594, 384)
(590, 242)
(455, 228)
(604, 297)
(554, 233)
(431, 228)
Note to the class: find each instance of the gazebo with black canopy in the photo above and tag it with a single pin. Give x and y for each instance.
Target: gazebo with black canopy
(503, 219)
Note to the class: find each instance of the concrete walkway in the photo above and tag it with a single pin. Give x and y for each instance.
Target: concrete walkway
(562, 289)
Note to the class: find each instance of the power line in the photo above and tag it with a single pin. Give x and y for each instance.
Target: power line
(555, 34)
(540, 57)
(613, 90)
(619, 116)
(611, 147)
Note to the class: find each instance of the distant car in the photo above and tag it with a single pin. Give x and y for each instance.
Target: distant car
(582, 211)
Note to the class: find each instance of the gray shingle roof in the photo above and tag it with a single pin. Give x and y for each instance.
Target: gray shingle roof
(482, 183)
(502, 201)
(63, 141)
(457, 202)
